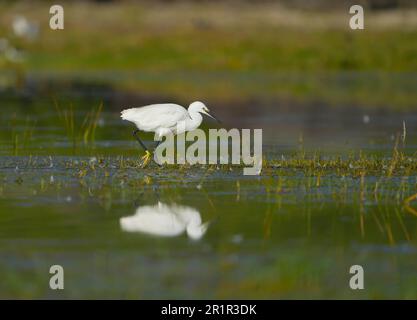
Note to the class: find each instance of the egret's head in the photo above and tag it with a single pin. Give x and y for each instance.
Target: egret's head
(200, 107)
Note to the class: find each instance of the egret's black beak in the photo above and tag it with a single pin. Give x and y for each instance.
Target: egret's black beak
(212, 116)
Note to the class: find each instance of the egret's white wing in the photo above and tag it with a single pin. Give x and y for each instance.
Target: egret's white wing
(156, 116)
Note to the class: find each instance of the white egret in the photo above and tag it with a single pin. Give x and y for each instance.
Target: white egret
(163, 119)
(165, 221)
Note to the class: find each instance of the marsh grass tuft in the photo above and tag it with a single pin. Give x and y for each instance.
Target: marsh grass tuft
(79, 132)
(89, 125)
(21, 137)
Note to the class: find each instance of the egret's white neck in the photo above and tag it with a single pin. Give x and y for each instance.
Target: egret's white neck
(195, 120)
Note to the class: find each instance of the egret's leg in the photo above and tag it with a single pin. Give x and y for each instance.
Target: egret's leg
(147, 157)
(156, 145)
(135, 134)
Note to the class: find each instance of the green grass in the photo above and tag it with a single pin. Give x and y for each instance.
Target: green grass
(85, 131)
(259, 50)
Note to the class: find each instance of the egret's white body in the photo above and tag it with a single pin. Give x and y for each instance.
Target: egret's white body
(166, 117)
(165, 221)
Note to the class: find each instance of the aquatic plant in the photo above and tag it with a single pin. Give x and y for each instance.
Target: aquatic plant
(79, 131)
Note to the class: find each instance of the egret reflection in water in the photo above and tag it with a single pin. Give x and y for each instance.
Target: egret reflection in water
(165, 221)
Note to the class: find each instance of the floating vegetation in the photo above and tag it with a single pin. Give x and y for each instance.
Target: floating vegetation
(368, 175)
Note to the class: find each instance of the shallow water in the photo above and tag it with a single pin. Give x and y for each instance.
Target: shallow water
(124, 232)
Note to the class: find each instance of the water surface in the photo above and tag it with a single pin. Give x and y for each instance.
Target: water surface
(201, 232)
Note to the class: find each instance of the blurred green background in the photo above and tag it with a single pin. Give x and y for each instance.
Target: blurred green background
(230, 51)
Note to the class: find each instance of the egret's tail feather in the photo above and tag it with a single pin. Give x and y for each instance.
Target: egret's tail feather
(127, 114)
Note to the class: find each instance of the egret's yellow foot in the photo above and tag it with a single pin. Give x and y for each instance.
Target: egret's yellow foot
(146, 158)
